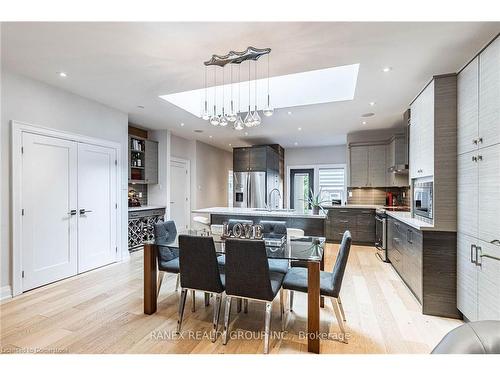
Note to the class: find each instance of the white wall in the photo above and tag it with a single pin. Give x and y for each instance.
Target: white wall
(315, 155)
(37, 103)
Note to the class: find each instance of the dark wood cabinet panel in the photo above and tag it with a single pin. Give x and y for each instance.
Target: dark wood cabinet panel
(241, 160)
(258, 158)
(361, 224)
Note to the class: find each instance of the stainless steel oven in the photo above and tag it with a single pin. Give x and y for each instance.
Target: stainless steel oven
(381, 234)
(422, 199)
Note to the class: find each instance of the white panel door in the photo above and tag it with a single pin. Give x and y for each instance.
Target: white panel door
(489, 193)
(467, 194)
(96, 206)
(179, 194)
(467, 276)
(49, 229)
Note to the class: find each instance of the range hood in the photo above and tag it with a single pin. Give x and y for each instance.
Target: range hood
(398, 151)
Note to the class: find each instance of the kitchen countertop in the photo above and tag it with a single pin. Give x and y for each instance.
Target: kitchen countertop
(144, 208)
(257, 212)
(365, 206)
(405, 217)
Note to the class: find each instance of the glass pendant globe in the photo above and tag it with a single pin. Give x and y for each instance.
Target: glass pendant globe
(223, 120)
(232, 117)
(249, 120)
(239, 125)
(256, 118)
(205, 116)
(214, 120)
(268, 111)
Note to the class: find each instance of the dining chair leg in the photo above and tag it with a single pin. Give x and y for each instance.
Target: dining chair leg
(207, 299)
(269, 306)
(341, 308)
(161, 274)
(182, 303)
(227, 313)
(217, 306)
(245, 305)
(336, 309)
(238, 305)
(193, 297)
(282, 309)
(178, 282)
(291, 299)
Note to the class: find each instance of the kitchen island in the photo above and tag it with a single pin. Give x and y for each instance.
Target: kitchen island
(312, 224)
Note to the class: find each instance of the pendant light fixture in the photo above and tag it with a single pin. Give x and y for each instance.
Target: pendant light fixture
(232, 114)
(214, 120)
(249, 117)
(238, 124)
(268, 111)
(205, 116)
(223, 118)
(256, 117)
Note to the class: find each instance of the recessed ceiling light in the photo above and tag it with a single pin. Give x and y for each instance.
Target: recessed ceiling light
(364, 122)
(369, 114)
(140, 106)
(246, 133)
(296, 143)
(182, 124)
(299, 129)
(372, 103)
(230, 144)
(210, 136)
(62, 74)
(289, 112)
(387, 69)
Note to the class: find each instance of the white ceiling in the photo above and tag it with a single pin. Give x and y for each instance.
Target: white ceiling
(125, 65)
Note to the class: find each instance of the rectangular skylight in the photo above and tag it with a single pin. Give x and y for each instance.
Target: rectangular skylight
(291, 90)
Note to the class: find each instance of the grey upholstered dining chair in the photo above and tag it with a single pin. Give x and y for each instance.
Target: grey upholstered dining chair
(330, 282)
(168, 256)
(247, 276)
(199, 271)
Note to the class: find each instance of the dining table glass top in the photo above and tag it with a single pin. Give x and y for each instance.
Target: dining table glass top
(306, 248)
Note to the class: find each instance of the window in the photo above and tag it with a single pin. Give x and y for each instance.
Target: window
(332, 183)
(230, 188)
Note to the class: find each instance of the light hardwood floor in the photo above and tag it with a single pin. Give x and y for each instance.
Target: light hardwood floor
(101, 312)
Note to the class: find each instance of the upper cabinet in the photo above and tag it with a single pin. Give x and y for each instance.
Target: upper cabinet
(255, 159)
(358, 166)
(151, 162)
(143, 158)
(368, 165)
(489, 95)
(478, 101)
(422, 134)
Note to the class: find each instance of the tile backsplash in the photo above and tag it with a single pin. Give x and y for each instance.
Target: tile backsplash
(377, 195)
(142, 192)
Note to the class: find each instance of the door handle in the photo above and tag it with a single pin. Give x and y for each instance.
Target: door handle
(83, 211)
(495, 242)
(472, 249)
(72, 212)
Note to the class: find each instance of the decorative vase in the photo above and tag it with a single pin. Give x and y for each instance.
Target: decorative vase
(315, 210)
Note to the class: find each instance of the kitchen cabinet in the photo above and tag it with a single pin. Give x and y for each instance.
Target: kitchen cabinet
(488, 161)
(488, 281)
(151, 162)
(466, 276)
(397, 155)
(360, 222)
(467, 194)
(141, 224)
(422, 134)
(489, 95)
(257, 158)
(468, 107)
(368, 165)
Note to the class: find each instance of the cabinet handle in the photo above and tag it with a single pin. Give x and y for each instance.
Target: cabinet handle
(472, 251)
(474, 159)
(480, 140)
(495, 242)
(474, 141)
(480, 157)
(478, 256)
(489, 256)
(72, 212)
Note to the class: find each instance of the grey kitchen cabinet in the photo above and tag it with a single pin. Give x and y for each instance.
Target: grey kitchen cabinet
(467, 194)
(258, 158)
(488, 161)
(358, 166)
(489, 95)
(151, 162)
(468, 107)
(368, 165)
(397, 154)
(360, 222)
(377, 168)
(488, 281)
(241, 160)
(466, 276)
(422, 134)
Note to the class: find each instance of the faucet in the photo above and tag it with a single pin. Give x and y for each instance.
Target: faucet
(268, 205)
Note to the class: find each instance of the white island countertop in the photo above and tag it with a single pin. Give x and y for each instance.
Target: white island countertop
(405, 217)
(258, 212)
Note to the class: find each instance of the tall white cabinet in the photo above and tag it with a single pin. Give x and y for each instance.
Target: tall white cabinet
(478, 174)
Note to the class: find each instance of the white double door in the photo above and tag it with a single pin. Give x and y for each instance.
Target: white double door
(69, 208)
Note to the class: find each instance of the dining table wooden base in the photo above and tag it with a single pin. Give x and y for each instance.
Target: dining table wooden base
(313, 307)
(150, 278)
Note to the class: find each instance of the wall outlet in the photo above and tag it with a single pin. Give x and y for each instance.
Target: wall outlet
(350, 194)
(140, 194)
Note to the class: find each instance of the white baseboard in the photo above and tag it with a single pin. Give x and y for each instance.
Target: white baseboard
(5, 292)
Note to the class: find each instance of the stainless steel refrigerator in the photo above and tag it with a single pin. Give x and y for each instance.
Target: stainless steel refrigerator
(249, 189)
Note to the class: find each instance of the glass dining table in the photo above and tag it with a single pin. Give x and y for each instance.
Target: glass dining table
(308, 251)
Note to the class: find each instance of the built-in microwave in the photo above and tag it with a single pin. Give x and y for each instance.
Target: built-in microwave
(422, 199)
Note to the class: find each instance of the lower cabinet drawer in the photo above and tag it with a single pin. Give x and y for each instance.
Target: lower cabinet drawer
(396, 260)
